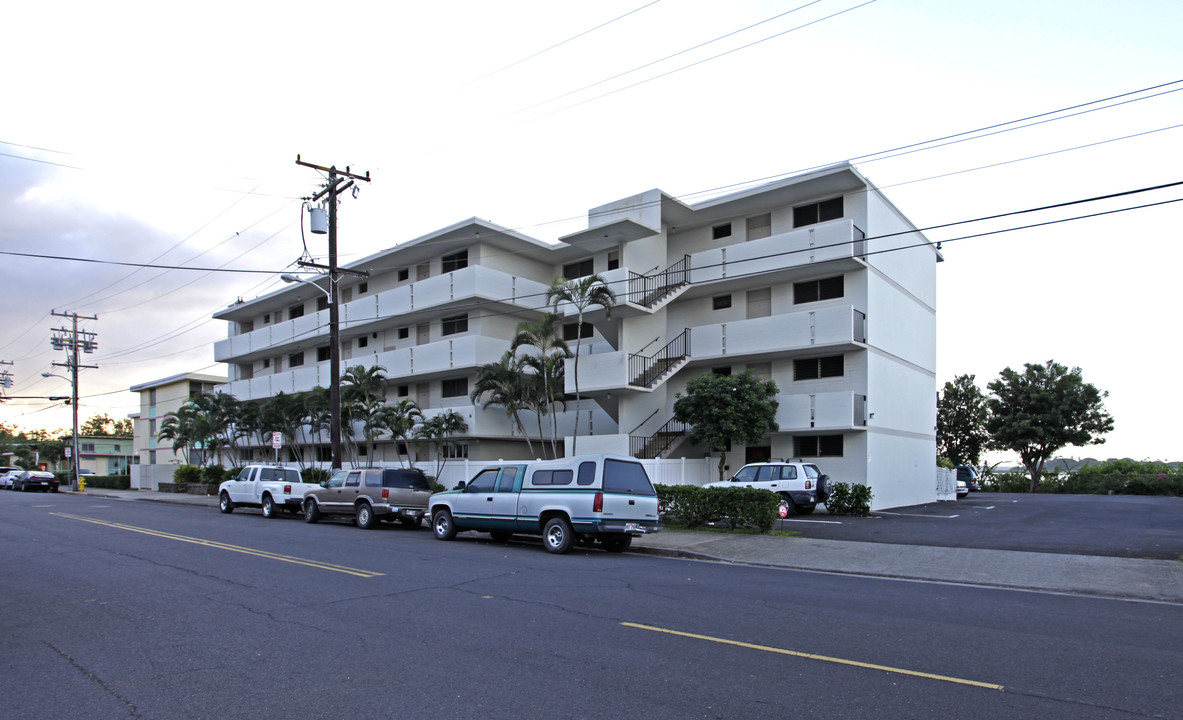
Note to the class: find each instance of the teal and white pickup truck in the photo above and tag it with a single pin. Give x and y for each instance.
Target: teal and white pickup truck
(266, 487)
(590, 498)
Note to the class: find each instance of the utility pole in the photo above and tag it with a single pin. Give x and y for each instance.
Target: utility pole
(5, 379)
(338, 183)
(73, 340)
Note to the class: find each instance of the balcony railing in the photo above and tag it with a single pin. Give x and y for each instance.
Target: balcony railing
(648, 290)
(647, 448)
(646, 371)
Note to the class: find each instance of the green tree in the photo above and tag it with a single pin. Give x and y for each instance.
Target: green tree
(399, 421)
(582, 293)
(504, 384)
(363, 394)
(98, 426)
(961, 422)
(438, 432)
(543, 335)
(722, 409)
(1043, 409)
(286, 414)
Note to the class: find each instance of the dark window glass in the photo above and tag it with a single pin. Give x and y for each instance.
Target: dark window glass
(820, 446)
(402, 478)
(373, 478)
(455, 261)
(721, 302)
(353, 480)
(404, 390)
(508, 477)
(542, 477)
(322, 303)
(719, 232)
(403, 274)
(454, 388)
(296, 359)
(485, 481)
(722, 370)
(404, 333)
(817, 212)
(267, 318)
(583, 268)
(295, 311)
(625, 477)
(455, 324)
(814, 290)
(322, 353)
(587, 473)
(585, 331)
(362, 287)
(814, 368)
(363, 341)
(613, 261)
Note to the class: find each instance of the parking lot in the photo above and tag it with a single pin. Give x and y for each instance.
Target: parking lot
(1105, 525)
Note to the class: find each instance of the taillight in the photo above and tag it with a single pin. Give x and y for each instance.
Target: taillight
(385, 493)
(287, 489)
(598, 503)
(808, 484)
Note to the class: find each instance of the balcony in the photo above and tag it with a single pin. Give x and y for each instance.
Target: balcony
(834, 240)
(841, 328)
(821, 411)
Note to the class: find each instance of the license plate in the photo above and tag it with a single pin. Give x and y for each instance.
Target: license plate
(633, 527)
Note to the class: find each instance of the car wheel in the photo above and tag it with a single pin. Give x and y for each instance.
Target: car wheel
(790, 506)
(225, 504)
(311, 511)
(500, 535)
(411, 523)
(617, 543)
(268, 507)
(442, 525)
(557, 536)
(365, 516)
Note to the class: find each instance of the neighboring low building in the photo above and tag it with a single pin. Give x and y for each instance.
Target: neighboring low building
(158, 398)
(105, 455)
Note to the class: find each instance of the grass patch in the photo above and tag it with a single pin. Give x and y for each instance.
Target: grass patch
(730, 531)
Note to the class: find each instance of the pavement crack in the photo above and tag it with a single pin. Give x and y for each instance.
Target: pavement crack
(132, 710)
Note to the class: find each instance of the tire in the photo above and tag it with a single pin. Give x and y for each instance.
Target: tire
(364, 515)
(557, 536)
(411, 523)
(311, 511)
(269, 507)
(500, 535)
(617, 543)
(225, 504)
(787, 501)
(823, 488)
(442, 525)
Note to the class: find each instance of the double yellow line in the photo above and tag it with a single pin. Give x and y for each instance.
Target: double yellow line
(226, 546)
(811, 656)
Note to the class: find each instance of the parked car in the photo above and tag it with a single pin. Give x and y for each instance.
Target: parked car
(969, 474)
(7, 474)
(268, 488)
(587, 498)
(370, 495)
(962, 489)
(35, 480)
(801, 485)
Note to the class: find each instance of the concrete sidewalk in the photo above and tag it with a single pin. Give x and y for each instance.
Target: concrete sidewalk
(1126, 578)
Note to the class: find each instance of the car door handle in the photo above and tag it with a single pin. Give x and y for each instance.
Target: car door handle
(489, 499)
(632, 502)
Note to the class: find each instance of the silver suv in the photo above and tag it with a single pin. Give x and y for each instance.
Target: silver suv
(370, 495)
(801, 485)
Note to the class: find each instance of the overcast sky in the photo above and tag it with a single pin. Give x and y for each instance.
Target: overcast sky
(167, 134)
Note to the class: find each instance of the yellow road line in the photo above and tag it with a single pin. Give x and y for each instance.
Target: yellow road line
(823, 658)
(226, 546)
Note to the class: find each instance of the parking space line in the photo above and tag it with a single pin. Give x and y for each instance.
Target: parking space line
(822, 658)
(226, 546)
(820, 522)
(939, 517)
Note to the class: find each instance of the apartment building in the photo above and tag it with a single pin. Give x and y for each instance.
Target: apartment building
(816, 282)
(156, 461)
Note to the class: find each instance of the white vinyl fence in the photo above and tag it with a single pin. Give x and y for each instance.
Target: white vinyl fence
(946, 484)
(682, 471)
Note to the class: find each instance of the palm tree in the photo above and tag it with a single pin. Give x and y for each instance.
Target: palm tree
(543, 334)
(438, 432)
(363, 391)
(285, 414)
(502, 383)
(249, 426)
(583, 293)
(172, 429)
(400, 420)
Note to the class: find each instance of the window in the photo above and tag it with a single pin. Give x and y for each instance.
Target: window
(572, 332)
(819, 446)
(363, 341)
(338, 478)
(346, 294)
(404, 333)
(116, 448)
(152, 397)
(324, 453)
(587, 473)
(362, 287)
(552, 477)
(760, 226)
(353, 479)
(455, 261)
(86, 447)
(454, 388)
(508, 477)
(613, 260)
(266, 363)
(322, 303)
(814, 368)
(295, 311)
(724, 371)
(266, 318)
(817, 212)
(720, 302)
(152, 427)
(404, 478)
(484, 481)
(296, 359)
(814, 290)
(404, 390)
(455, 324)
(719, 232)
(404, 274)
(323, 353)
(454, 451)
(624, 477)
(583, 268)
(151, 457)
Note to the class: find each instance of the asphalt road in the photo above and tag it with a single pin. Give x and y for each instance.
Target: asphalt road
(113, 609)
(1106, 525)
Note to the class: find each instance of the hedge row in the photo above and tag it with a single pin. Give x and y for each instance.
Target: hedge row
(1120, 477)
(105, 482)
(736, 506)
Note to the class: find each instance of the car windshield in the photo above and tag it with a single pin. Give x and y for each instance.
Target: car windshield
(626, 477)
(395, 478)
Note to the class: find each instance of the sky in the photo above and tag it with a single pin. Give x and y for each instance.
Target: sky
(167, 134)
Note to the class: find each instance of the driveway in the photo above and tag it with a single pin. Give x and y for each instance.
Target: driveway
(1105, 525)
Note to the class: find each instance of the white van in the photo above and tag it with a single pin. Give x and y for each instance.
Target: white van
(589, 498)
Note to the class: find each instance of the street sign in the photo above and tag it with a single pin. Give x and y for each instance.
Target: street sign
(69, 450)
(276, 440)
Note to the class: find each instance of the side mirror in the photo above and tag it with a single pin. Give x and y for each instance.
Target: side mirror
(324, 483)
(460, 486)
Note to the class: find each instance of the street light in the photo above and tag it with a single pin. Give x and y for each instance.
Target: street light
(74, 408)
(334, 364)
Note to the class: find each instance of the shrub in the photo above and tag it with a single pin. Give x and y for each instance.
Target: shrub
(108, 482)
(738, 507)
(187, 474)
(213, 475)
(315, 475)
(849, 499)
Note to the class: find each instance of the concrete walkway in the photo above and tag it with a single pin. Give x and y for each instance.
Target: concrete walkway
(1126, 578)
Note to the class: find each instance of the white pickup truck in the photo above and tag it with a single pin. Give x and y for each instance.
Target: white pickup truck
(266, 487)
